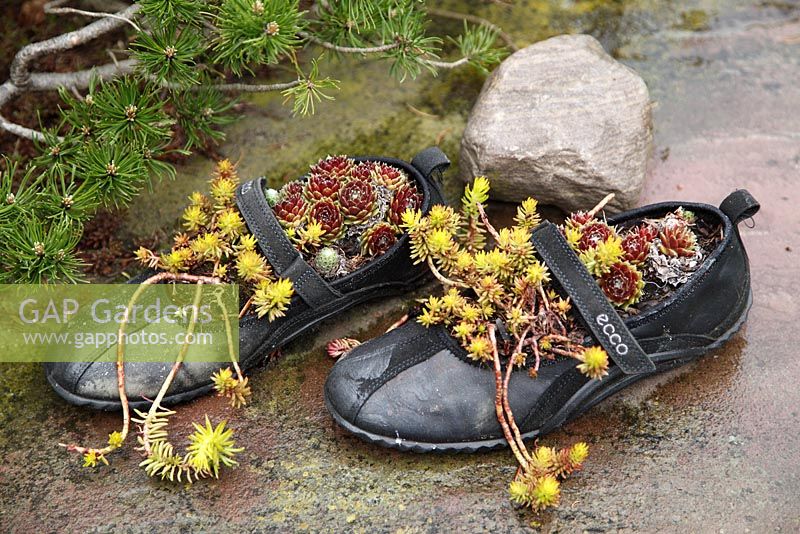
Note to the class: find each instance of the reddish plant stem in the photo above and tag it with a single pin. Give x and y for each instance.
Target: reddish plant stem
(151, 413)
(507, 405)
(120, 364)
(246, 307)
(498, 401)
(487, 224)
(535, 347)
(400, 322)
(442, 278)
(562, 352)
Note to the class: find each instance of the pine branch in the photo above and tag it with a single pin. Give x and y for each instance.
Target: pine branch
(446, 64)
(447, 14)
(238, 87)
(21, 79)
(349, 49)
(53, 8)
(20, 67)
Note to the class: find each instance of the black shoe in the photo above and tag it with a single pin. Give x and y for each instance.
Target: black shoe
(415, 388)
(94, 384)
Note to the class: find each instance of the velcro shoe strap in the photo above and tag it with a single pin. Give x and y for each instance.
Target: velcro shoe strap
(285, 259)
(588, 299)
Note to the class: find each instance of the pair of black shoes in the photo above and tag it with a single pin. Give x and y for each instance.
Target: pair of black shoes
(415, 388)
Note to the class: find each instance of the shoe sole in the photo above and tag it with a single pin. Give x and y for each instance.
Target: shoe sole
(360, 297)
(585, 398)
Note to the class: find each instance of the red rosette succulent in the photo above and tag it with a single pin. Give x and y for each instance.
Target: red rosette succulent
(336, 166)
(327, 214)
(636, 246)
(363, 171)
(357, 199)
(622, 284)
(292, 189)
(378, 239)
(290, 210)
(579, 218)
(389, 176)
(405, 198)
(677, 239)
(592, 234)
(647, 231)
(321, 186)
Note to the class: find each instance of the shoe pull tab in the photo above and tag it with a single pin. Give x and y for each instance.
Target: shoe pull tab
(739, 205)
(431, 162)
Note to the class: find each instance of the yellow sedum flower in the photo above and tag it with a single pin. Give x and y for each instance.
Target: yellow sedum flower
(440, 242)
(177, 260)
(573, 236)
(210, 448)
(578, 453)
(527, 214)
(194, 218)
(208, 246)
(310, 236)
(599, 259)
(594, 363)
(546, 492)
(480, 349)
(91, 458)
(230, 224)
(223, 191)
(544, 458)
(273, 298)
(198, 199)
(115, 440)
(251, 266)
(519, 492)
(247, 242)
(443, 218)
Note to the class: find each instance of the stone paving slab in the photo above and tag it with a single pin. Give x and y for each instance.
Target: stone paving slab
(708, 448)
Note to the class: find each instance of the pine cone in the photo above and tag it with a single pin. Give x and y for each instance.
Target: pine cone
(404, 198)
(357, 199)
(636, 246)
(290, 210)
(592, 234)
(378, 239)
(677, 239)
(321, 186)
(622, 284)
(335, 166)
(327, 214)
(389, 177)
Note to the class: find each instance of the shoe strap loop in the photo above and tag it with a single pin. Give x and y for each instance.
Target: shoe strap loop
(285, 259)
(587, 297)
(431, 162)
(739, 205)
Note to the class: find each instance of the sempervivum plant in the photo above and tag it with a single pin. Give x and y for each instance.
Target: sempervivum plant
(624, 260)
(352, 208)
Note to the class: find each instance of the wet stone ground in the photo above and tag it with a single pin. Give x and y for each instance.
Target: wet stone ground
(712, 447)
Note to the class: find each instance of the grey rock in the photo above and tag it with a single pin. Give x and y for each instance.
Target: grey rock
(564, 122)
